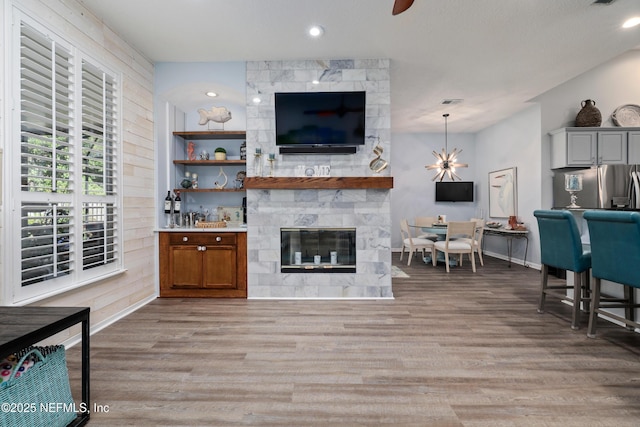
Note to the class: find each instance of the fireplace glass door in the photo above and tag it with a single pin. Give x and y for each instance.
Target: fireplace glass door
(318, 250)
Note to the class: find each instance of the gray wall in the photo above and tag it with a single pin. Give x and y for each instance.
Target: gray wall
(514, 142)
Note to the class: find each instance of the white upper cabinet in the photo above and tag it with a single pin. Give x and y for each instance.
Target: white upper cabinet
(581, 148)
(584, 147)
(634, 147)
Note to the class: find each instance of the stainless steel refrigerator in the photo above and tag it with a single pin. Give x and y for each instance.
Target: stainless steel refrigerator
(603, 187)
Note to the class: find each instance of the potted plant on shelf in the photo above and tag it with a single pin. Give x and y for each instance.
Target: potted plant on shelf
(220, 153)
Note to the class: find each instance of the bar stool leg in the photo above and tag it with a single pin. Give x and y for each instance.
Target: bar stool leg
(544, 277)
(586, 292)
(629, 310)
(577, 297)
(595, 305)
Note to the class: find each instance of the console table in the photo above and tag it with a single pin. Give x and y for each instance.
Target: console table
(21, 327)
(509, 235)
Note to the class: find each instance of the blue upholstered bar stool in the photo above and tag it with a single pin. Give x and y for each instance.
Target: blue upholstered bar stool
(560, 247)
(615, 249)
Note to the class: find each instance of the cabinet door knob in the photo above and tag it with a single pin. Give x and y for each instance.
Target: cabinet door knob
(218, 239)
(185, 238)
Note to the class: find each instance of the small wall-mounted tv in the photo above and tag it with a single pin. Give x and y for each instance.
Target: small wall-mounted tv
(455, 191)
(320, 118)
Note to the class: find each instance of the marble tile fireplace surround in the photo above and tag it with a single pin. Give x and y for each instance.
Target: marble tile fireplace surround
(352, 197)
(366, 210)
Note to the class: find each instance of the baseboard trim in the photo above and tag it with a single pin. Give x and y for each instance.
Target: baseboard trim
(109, 321)
(513, 260)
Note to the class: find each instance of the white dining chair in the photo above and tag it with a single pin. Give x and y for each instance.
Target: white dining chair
(413, 244)
(477, 239)
(454, 243)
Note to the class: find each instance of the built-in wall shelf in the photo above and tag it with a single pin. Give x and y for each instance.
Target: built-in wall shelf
(209, 162)
(293, 183)
(212, 134)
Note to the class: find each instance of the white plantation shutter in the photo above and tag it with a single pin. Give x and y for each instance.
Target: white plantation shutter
(46, 88)
(99, 234)
(69, 156)
(99, 173)
(45, 243)
(99, 129)
(46, 113)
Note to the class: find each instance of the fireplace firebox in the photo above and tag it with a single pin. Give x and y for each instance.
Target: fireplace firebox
(318, 250)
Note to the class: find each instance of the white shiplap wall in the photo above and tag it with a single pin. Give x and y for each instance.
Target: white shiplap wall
(113, 297)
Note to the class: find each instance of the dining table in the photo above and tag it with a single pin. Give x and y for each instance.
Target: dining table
(437, 228)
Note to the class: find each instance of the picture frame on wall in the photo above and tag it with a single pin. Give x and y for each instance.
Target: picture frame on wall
(503, 193)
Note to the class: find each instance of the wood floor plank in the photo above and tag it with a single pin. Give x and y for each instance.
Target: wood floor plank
(457, 349)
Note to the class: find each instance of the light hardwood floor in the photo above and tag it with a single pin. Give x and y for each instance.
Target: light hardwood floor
(458, 349)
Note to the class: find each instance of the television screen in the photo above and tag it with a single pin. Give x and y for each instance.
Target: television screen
(320, 118)
(461, 191)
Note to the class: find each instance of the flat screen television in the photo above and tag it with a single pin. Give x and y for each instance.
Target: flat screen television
(320, 118)
(454, 191)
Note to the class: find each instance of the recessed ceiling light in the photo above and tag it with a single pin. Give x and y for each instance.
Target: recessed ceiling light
(315, 82)
(316, 31)
(631, 22)
(257, 100)
(211, 94)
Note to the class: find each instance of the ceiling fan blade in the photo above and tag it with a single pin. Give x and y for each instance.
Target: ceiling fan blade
(400, 6)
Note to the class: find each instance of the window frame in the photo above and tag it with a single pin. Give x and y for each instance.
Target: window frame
(15, 293)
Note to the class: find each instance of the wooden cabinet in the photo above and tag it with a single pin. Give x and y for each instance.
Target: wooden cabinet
(203, 264)
(584, 147)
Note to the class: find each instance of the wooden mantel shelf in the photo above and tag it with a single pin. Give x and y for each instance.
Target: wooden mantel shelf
(314, 183)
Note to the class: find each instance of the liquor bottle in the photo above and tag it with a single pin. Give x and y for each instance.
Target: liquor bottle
(176, 206)
(167, 203)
